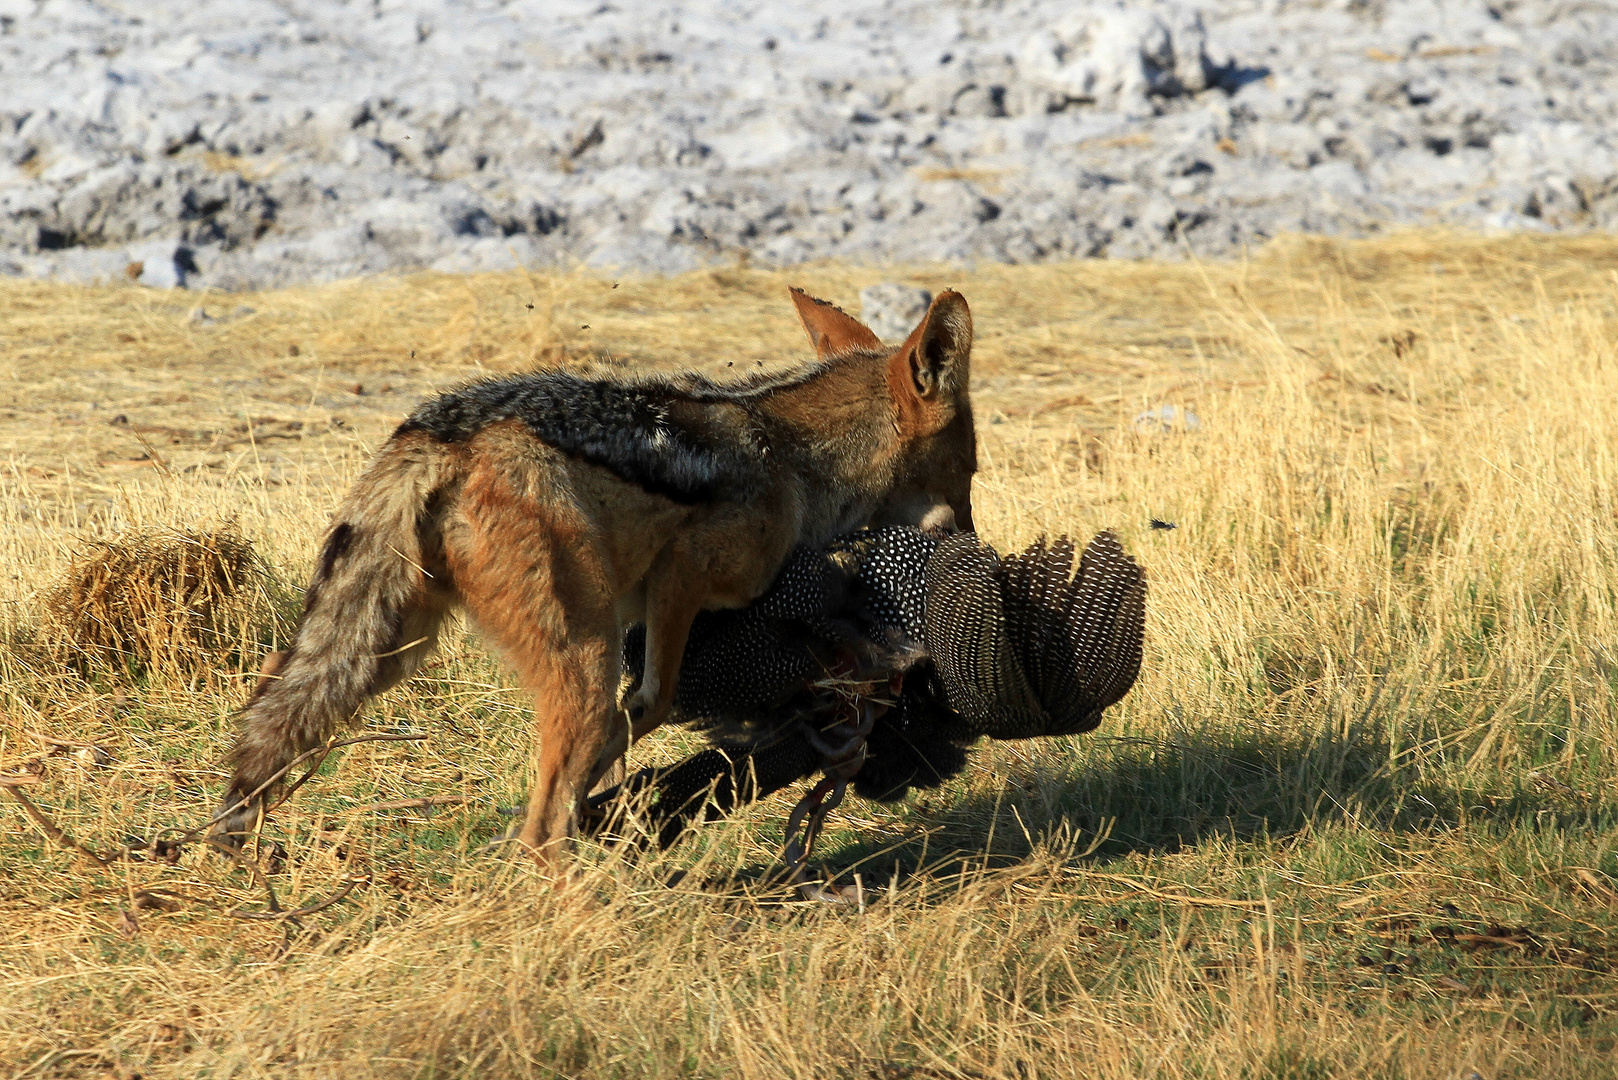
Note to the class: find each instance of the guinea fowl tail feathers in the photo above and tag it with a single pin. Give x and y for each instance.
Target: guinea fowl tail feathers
(1104, 616)
(968, 636)
(1025, 648)
(1109, 612)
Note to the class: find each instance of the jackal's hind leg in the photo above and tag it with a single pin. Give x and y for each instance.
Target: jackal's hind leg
(574, 710)
(535, 592)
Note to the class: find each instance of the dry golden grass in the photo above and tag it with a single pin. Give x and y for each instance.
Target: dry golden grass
(1355, 821)
(178, 602)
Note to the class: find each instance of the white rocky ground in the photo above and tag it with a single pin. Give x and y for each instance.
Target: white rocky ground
(240, 143)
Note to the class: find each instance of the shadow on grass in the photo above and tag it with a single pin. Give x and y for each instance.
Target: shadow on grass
(1154, 796)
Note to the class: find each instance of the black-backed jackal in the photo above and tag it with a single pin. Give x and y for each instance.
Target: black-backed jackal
(558, 510)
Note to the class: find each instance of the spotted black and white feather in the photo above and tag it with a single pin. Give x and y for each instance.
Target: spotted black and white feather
(1022, 646)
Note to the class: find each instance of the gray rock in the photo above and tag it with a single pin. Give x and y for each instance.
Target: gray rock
(1119, 54)
(1167, 420)
(160, 264)
(279, 144)
(892, 310)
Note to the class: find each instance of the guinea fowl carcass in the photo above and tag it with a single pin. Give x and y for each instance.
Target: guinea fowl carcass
(882, 658)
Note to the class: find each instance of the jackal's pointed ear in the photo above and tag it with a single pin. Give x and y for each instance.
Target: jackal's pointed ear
(934, 359)
(832, 331)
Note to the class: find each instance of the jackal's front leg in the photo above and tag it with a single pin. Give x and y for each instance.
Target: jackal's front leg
(671, 606)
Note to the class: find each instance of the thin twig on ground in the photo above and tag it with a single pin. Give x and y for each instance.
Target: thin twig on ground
(51, 830)
(308, 909)
(250, 866)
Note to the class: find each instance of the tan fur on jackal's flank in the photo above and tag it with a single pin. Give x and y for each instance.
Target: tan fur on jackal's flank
(558, 511)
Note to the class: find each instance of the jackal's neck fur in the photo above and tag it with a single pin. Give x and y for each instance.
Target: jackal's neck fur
(837, 429)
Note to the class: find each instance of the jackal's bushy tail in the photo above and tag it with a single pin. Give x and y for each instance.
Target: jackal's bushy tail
(370, 617)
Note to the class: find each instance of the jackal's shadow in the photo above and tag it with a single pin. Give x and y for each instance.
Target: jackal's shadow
(1112, 796)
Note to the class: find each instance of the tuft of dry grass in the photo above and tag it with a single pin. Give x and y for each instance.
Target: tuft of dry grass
(163, 603)
(1358, 818)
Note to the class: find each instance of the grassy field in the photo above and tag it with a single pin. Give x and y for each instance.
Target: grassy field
(1358, 818)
